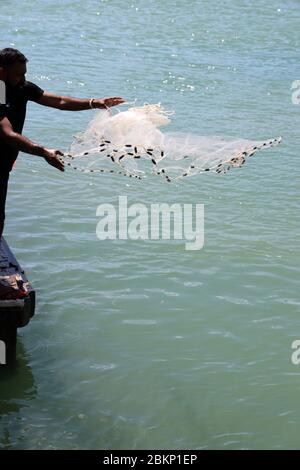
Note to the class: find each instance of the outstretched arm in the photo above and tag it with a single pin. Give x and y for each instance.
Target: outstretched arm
(20, 142)
(68, 103)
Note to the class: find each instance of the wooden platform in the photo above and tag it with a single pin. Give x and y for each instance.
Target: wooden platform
(14, 313)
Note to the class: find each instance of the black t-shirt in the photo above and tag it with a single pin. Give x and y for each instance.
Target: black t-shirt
(15, 111)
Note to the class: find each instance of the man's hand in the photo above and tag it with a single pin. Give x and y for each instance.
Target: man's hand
(51, 157)
(107, 102)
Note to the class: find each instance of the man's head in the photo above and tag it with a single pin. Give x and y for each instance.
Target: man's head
(12, 67)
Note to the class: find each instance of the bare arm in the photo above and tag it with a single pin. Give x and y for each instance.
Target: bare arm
(22, 143)
(68, 103)
(18, 141)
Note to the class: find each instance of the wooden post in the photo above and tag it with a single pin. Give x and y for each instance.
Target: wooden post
(16, 307)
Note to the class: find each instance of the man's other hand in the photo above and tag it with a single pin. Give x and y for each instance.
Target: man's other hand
(52, 157)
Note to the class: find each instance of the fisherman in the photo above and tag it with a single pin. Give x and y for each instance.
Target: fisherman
(18, 92)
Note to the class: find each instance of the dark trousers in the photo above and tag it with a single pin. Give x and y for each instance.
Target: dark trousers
(4, 176)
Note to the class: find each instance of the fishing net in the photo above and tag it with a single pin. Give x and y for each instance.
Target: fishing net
(131, 143)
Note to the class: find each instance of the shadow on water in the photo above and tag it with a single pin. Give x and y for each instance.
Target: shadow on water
(17, 388)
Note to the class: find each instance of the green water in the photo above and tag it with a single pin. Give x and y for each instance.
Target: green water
(142, 344)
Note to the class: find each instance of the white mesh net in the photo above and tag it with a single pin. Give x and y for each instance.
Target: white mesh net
(131, 143)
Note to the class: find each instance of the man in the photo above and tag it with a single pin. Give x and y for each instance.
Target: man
(12, 117)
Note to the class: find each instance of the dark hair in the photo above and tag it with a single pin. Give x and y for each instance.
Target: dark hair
(9, 56)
